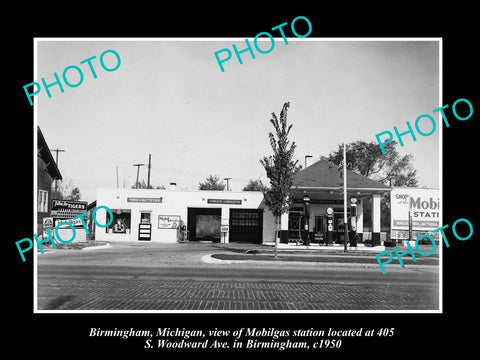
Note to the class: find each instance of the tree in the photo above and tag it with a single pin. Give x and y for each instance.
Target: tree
(253, 185)
(143, 185)
(65, 191)
(212, 183)
(74, 194)
(367, 159)
(279, 168)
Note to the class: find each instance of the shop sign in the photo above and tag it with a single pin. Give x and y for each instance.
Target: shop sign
(64, 223)
(67, 208)
(144, 200)
(422, 204)
(224, 201)
(168, 221)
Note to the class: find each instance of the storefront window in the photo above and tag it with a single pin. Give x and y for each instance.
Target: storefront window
(145, 217)
(120, 223)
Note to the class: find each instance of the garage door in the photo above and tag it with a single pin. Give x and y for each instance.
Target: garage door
(246, 225)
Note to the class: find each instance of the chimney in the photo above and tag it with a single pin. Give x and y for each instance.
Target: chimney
(173, 186)
(308, 160)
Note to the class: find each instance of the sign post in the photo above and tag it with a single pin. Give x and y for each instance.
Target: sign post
(224, 230)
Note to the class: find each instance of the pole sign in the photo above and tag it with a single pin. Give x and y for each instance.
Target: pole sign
(67, 208)
(424, 206)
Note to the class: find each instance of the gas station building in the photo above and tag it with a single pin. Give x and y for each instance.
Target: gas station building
(316, 214)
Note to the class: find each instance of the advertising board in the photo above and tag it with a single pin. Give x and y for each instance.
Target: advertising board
(422, 203)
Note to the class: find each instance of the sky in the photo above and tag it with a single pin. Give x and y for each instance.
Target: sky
(169, 98)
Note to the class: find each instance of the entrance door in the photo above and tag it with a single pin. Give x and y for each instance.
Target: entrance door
(204, 224)
(246, 225)
(145, 226)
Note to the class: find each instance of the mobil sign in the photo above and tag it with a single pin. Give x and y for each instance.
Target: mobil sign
(423, 203)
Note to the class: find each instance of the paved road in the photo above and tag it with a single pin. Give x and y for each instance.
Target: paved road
(149, 277)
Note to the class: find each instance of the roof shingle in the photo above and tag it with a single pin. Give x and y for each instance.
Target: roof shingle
(323, 174)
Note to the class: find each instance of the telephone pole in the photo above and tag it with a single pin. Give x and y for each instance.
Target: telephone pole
(345, 219)
(138, 171)
(226, 179)
(56, 163)
(149, 165)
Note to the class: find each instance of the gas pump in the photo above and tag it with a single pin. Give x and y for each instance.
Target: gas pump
(306, 236)
(353, 222)
(329, 232)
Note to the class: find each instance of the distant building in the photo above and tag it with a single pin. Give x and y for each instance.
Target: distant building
(47, 173)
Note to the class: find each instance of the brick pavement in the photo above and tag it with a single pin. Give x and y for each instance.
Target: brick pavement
(152, 294)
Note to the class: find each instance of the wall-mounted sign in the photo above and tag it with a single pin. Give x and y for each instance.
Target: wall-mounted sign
(224, 228)
(144, 200)
(48, 222)
(75, 222)
(67, 208)
(224, 201)
(168, 221)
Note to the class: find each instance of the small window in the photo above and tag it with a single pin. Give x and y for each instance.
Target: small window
(42, 201)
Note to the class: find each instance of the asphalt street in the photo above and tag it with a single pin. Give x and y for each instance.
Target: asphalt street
(147, 276)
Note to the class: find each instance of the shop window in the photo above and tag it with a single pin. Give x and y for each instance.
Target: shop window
(145, 217)
(120, 223)
(42, 201)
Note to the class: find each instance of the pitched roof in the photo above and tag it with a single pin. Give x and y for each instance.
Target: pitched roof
(322, 174)
(46, 156)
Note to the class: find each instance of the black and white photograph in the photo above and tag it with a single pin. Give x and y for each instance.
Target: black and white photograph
(252, 161)
(252, 184)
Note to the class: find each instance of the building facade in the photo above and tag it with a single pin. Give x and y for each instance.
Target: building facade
(164, 215)
(228, 217)
(47, 173)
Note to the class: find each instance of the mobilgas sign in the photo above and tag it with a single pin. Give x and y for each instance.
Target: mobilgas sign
(424, 205)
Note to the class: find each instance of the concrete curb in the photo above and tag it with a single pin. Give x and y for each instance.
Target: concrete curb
(210, 260)
(97, 247)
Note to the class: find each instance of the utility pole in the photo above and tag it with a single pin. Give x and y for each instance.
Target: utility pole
(56, 162)
(226, 179)
(138, 171)
(149, 165)
(345, 220)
